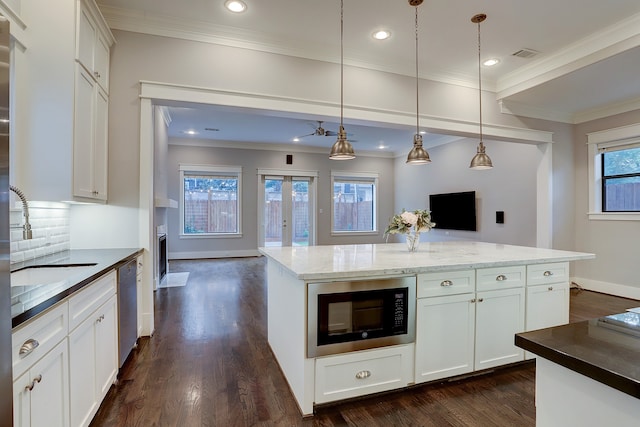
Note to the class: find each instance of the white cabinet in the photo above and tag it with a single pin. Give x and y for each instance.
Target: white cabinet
(547, 295)
(445, 335)
(93, 358)
(93, 43)
(41, 393)
(363, 372)
(140, 262)
(90, 139)
(499, 316)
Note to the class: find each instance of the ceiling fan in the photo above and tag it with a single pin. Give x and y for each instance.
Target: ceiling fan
(320, 131)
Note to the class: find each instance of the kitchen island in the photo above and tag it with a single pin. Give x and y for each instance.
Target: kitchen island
(471, 298)
(587, 373)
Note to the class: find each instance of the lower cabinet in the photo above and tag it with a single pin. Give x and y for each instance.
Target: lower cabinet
(40, 394)
(445, 337)
(547, 306)
(363, 372)
(499, 316)
(93, 361)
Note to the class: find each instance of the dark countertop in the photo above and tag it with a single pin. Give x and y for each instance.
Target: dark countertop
(606, 349)
(29, 301)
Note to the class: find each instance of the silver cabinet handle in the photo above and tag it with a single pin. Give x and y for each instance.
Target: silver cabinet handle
(100, 319)
(547, 273)
(446, 283)
(473, 301)
(480, 299)
(97, 74)
(550, 288)
(33, 383)
(363, 375)
(28, 346)
(501, 278)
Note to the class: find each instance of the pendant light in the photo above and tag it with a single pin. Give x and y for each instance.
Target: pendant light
(481, 160)
(417, 155)
(342, 149)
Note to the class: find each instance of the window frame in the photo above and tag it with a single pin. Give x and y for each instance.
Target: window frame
(212, 170)
(371, 177)
(621, 138)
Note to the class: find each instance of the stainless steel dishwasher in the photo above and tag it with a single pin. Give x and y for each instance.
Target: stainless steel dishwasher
(127, 310)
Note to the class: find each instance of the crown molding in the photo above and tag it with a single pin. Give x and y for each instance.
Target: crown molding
(607, 111)
(525, 110)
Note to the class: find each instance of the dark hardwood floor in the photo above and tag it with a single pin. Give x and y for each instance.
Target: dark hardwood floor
(209, 364)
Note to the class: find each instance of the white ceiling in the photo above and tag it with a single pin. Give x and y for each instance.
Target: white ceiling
(589, 54)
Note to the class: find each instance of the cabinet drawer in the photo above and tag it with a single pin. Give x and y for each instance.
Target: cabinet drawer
(363, 372)
(446, 283)
(90, 298)
(500, 278)
(41, 334)
(541, 274)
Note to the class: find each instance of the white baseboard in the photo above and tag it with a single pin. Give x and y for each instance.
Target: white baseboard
(625, 291)
(213, 254)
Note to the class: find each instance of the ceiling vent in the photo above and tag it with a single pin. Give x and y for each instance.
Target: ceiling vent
(212, 129)
(525, 53)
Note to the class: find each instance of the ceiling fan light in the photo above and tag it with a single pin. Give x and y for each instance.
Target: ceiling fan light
(418, 155)
(342, 149)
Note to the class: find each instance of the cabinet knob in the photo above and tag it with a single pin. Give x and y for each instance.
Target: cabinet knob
(473, 301)
(550, 288)
(363, 375)
(97, 74)
(28, 346)
(480, 299)
(446, 283)
(547, 273)
(501, 278)
(33, 383)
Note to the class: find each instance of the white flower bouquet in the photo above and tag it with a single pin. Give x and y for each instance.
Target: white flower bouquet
(418, 221)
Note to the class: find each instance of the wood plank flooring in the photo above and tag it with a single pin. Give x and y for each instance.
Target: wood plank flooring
(209, 364)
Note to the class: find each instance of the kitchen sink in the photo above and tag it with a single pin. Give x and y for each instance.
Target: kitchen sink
(46, 274)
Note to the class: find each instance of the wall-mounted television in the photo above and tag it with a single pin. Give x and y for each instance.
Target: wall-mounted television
(454, 211)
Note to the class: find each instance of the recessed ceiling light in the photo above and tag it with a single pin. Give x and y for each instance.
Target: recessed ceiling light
(422, 132)
(236, 6)
(381, 34)
(296, 139)
(190, 132)
(491, 62)
(381, 147)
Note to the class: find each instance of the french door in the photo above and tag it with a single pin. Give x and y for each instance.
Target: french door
(287, 205)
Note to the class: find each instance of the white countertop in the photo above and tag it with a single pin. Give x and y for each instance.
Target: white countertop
(349, 261)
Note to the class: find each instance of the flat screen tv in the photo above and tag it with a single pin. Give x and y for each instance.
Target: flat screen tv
(454, 211)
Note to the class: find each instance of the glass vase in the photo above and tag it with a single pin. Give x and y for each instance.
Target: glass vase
(413, 241)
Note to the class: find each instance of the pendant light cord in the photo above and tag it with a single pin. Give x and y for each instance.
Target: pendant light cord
(479, 81)
(417, 80)
(341, 61)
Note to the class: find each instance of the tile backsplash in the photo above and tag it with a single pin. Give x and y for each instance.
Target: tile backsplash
(50, 226)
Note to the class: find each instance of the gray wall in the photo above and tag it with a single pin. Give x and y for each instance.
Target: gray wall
(510, 187)
(615, 243)
(251, 160)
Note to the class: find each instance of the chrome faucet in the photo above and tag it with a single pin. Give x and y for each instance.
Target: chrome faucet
(26, 228)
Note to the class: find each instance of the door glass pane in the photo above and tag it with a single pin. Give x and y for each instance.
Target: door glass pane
(300, 212)
(273, 212)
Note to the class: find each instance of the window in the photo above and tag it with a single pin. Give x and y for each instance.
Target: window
(621, 180)
(614, 174)
(353, 202)
(210, 200)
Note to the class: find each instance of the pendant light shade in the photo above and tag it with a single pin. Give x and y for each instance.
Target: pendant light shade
(481, 161)
(417, 155)
(342, 149)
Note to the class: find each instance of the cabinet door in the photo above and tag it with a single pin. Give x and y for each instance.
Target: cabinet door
(499, 316)
(85, 40)
(101, 62)
(547, 305)
(106, 347)
(22, 401)
(444, 337)
(83, 135)
(100, 146)
(82, 357)
(49, 398)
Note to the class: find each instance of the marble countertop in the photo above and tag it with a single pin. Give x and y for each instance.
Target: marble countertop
(350, 261)
(600, 349)
(29, 301)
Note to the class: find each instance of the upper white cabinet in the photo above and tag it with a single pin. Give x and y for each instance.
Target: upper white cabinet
(60, 139)
(93, 44)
